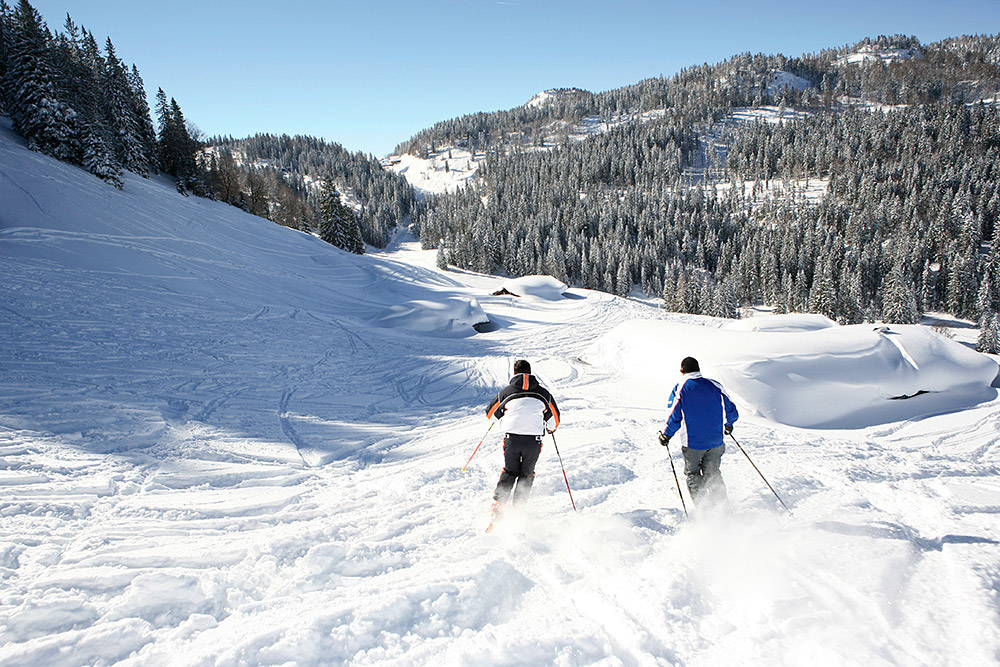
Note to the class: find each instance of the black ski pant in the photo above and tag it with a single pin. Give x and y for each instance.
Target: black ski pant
(520, 453)
(703, 469)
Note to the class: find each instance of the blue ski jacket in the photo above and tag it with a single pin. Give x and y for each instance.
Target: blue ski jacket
(702, 404)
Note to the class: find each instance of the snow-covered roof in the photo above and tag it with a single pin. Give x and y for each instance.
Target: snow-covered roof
(541, 287)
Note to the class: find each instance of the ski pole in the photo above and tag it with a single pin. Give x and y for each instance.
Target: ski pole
(563, 471)
(761, 474)
(479, 445)
(677, 481)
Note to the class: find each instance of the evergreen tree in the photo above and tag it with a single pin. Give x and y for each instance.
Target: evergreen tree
(984, 299)
(989, 336)
(38, 113)
(823, 296)
(123, 119)
(175, 146)
(4, 48)
(724, 303)
(147, 133)
(98, 160)
(899, 302)
(337, 224)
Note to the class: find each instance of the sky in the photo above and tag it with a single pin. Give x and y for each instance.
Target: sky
(370, 74)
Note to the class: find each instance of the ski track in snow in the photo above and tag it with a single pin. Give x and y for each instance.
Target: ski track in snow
(199, 469)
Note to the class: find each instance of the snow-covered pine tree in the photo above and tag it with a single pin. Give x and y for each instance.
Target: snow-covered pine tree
(984, 298)
(147, 133)
(80, 76)
(122, 117)
(4, 47)
(927, 293)
(724, 303)
(166, 142)
(337, 224)
(989, 334)
(899, 301)
(47, 122)
(98, 160)
(823, 295)
(175, 146)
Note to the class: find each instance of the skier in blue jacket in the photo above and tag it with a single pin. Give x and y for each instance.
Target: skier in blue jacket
(709, 414)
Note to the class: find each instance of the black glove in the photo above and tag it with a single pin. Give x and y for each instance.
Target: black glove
(664, 439)
(728, 429)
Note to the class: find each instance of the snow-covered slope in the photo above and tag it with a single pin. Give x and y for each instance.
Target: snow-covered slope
(873, 53)
(446, 171)
(217, 449)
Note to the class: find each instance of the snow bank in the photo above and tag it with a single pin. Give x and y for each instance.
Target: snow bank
(542, 287)
(782, 323)
(450, 316)
(801, 375)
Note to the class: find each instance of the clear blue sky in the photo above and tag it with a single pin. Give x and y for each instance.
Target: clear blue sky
(369, 74)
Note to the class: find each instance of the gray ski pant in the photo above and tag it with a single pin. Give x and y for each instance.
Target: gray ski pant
(702, 468)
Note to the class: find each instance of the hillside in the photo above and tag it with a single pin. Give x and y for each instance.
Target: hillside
(857, 183)
(299, 166)
(226, 442)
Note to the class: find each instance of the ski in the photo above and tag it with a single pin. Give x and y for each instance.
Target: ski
(496, 513)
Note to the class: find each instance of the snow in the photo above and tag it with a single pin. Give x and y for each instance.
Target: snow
(541, 287)
(446, 171)
(781, 81)
(782, 323)
(767, 114)
(451, 315)
(876, 54)
(788, 372)
(547, 97)
(217, 451)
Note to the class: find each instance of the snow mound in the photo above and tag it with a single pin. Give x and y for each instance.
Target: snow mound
(833, 377)
(542, 287)
(782, 323)
(453, 316)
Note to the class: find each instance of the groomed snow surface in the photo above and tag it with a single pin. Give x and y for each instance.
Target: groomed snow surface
(227, 443)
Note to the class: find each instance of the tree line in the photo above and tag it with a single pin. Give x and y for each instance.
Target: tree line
(297, 170)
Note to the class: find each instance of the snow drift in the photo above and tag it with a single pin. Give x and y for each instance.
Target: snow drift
(798, 370)
(448, 316)
(540, 287)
